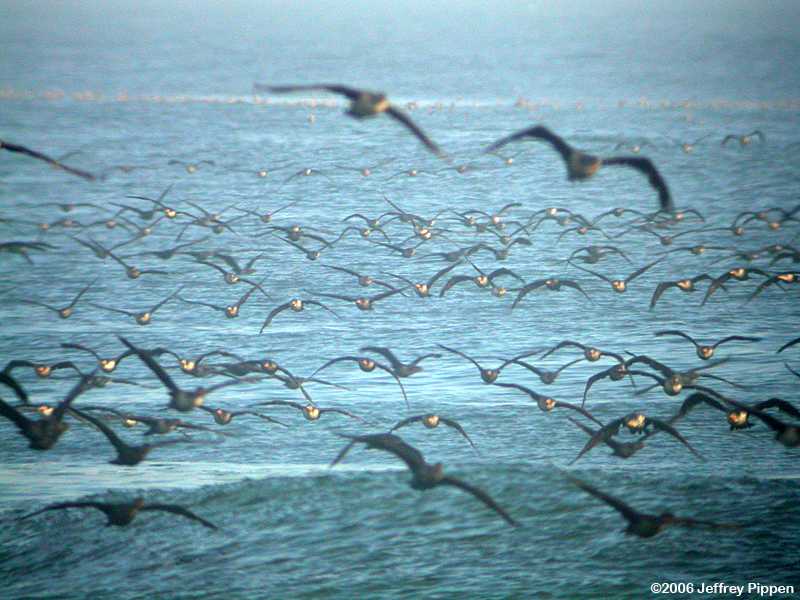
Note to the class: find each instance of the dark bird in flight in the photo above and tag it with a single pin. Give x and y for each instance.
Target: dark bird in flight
(546, 403)
(182, 400)
(590, 353)
(42, 370)
(66, 311)
(425, 476)
(296, 305)
(123, 513)
(635, 423)
(144, 317)
(38, 155)
(706, 351)
(738, 274)
(43, 433)
(367, 365)
(310, 412)
(737, 418)
(363, 104)
(362, 302)
(582, 166)
(642, 524)
(431, 421)
(487, 375)
(127, 455)
(621, 449)
(621, 285)
(684, 285)
(399, 368)
(744, 140)
(788, 435)
(552, 283)
(223, 417)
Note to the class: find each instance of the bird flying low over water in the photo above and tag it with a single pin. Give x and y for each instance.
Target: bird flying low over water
(642, 524)
(123, 513)
(426, 476)
(582, 166)
(363, 104)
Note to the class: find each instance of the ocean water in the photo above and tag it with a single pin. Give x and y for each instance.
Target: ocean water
(141, 84)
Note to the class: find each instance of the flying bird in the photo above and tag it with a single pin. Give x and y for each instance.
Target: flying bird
(425, 476)
(582, 166)
(122, 513)
(642, 524)
(363, 104)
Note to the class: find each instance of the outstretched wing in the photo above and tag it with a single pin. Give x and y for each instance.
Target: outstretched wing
(406, 422)
(334, 88)
(457, 426)
(480, 495)
(403, 118)
(538, 132)
(179, 510)
(646, 166)
(33, 153)
(615, 503)
(98, 505)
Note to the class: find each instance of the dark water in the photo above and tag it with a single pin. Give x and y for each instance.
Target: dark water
(142, 85)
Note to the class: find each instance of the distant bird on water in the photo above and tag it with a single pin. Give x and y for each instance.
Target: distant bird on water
(24, 150)
(363, 104)
(583, 166)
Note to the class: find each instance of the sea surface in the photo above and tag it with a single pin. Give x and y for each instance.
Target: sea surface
(140, 84)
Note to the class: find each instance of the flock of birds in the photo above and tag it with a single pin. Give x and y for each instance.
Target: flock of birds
(479, 240)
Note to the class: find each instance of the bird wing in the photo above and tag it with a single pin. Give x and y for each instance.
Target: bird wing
(461, 354)
(480, 495)
(386, 353)
(615, 503)
(8, 380)
(788, 345)
(403, 118)
(33, 153)
(272, 315)
(579, 409)
(661, 425)
(115, 440)
(659, 291)
(782, 405)
(456, 279)
(13, 415)
(178, 510)
(638, 272)
(741, 338)
(407, 421)
(334, 88)
(441, 273)
(574, 285)
(563, 344)
(646, 166)
(457, 426)
(77, 390)
(675, 332)
(604, 433)
(526, 289)
(99, 505)
(538, 132)
(693, 401)
(147, 358)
